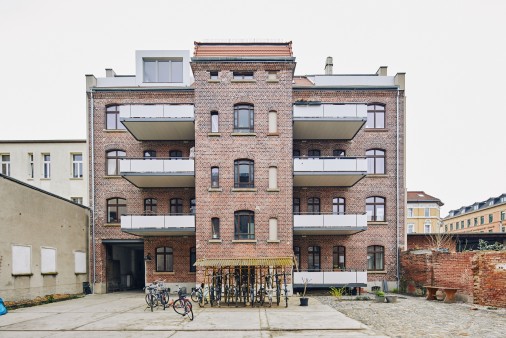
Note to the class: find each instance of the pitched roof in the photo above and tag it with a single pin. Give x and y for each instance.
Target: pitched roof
(421, 196)
(234, 49)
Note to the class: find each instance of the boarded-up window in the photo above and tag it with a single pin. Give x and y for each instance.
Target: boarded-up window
(273, 122)
(21, 259)
(47, 260)
(80, 262)
(273, 229)
(273, 178)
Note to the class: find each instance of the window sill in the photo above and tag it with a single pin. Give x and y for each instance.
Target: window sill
(21, 274)
(272, 134)
(272, 81)
(215, 189)
(215, 241)
(29, 179)
(376, 223)
(45, 178)
(243, 81)
(214, 134)
(80, 273)
(273, 241)
(76, 178)
(243, 190)
(213, 81)
(273, 190)
(380, 130)
(112, 176)
(112, 225)
(378, 272)
(49, 273)
(243, 134)
(244, 241)
(115, 130)
(164, 273)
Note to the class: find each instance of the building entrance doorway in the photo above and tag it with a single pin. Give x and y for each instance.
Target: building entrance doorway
(124, 265)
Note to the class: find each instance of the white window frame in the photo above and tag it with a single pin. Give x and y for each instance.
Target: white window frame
(157, 69)
(5, 165)
(427, 223)
(46, 166)
(410, 212)
(78, 200)
(77, 166)
(31, 167)
(426, 212)
(215, 122)
(411, 228)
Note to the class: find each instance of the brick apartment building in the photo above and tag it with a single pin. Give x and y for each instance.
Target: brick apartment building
(244, 160)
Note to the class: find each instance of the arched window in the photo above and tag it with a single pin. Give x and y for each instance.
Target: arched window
(375, 257)
(150, 206)
(338, 206)
(244, 121)
(244, 174)
(176, 206)
(273, 122)
(339, 258)
(164, 259)
(244, 224)
(375, 208)
(313, 258)
(375, 161)
(112, 161)
(215, 227)
(313, 206)
(112, 118)
(375, 116)
(116, 207)
(338, 153)
(214, 122)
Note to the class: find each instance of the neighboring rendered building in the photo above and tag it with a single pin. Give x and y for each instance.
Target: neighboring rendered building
(247, 161)
(58, 166)
(43, 242)
(423, 214)
(486, 216)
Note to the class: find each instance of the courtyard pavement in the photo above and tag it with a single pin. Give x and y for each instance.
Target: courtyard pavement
(125, 315)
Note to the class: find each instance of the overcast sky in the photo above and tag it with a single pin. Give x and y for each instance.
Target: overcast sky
(453, 53)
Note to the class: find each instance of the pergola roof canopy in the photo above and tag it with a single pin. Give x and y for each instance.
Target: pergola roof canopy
(246, 261)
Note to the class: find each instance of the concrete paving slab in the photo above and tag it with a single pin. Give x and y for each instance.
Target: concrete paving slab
(156, 321)
(312, 320)
(224, 320)
(59, 321)
(13, 317)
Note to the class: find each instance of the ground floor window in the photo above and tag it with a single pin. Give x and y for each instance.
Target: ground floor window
(339, 257)
(193, 259)
(164, 259)
(375, 257)
(313, 259)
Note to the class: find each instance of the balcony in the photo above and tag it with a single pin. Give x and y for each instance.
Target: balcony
(159, 122)
(328, 121)
(328, 171)
(319, 279)
(158, 172)
(329, 224)
(158, 225)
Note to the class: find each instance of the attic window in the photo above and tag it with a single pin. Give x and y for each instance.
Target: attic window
(420, 195)
(163, 70)
(243, 75)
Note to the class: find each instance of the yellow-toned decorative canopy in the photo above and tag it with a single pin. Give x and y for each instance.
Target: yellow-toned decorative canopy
(248, 261)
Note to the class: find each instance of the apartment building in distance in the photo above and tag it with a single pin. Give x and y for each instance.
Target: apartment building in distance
(424, 214)
(57, 166)
(242, 165)
(487, 216)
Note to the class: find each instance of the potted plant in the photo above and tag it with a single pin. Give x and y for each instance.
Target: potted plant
(391, 299)
(304, 300)
(380, 296)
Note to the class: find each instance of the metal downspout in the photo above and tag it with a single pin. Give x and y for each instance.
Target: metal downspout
(397, 187)
(92, 146)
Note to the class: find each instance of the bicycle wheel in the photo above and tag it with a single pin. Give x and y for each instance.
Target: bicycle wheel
(194, 296)
(179, 306)
(164, 299)
(188, 309)
(150, 300)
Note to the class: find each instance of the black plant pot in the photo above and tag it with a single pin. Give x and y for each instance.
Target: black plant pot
(303, 301)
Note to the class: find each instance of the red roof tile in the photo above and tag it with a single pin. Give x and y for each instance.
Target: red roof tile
(421, 196)
(203, 49)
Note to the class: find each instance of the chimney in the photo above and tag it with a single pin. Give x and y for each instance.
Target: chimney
(109, 72)
(328, 66)
(382, 71)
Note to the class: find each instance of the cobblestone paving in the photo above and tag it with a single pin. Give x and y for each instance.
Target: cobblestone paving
(417, 317)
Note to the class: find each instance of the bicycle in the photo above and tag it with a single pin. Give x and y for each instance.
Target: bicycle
(182, 305)
(157, 294)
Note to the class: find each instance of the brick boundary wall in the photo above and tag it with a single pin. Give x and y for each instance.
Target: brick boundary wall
(479, 276)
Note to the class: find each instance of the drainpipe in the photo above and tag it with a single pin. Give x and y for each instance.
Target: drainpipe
(92, 146)
(397, 186)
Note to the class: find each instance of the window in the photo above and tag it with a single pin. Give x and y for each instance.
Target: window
(47, 260)
(427, 212)
(243, 75)
(296, 153)
(490, 218)
(149, 154)
(296, 206)
(411, 228)
(78, 200)
(468, 223)
(339, 257)
(410, 212)
(176, 206)
(456, 225)
(175, 154)
(215, 177)
(244, 174)
(273, 229)
(338, 206)
(193, 259)
(164, 259)
(375, 258)
(451, 226)
(475, 221)
(80, 262)
(375, 161)
(375, 208)
(273, 122)
(503, 215)
(313, 153)
(482, 220)
(375, 116)
(116, 207)
(313, 258)
(193, 206)
(296, 253)
(46, 166)
(21, 259)
(244, 224)
(313, 206)
(338, 153)
(163, 70)
(272, 75)
(6, 164)
(150, 206)
(113, 157)
(215, 227)
(30, 165)
(214, 122)
(426, 227)
(77, 165)
(446, 227)
(213, 75)
(273, 177)
(112, 121)
(244, 118)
